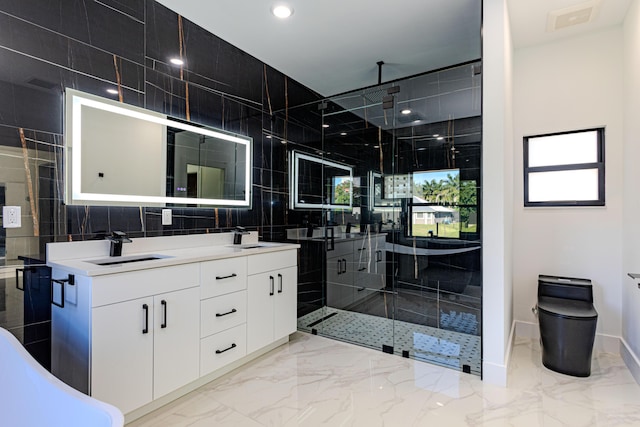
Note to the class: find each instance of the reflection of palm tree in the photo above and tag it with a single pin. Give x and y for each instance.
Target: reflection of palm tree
(451, 189)
(431, 191)
(445, 192)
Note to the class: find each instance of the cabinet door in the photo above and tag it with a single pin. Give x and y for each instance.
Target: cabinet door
(286, 302)
(122, 353)
(176, 340)
(261, 290)
(340, 276)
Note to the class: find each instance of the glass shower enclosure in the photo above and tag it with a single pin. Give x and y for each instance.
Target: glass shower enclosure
(390, 220)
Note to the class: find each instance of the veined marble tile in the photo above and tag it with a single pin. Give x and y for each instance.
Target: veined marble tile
(315, 381)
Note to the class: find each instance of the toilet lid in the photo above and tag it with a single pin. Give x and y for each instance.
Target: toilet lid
(563, 307)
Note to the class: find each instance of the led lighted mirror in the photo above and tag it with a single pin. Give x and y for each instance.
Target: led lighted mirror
(118, 154)
(320, 183)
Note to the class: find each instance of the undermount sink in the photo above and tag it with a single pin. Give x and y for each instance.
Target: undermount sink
(255, 245)
(127, 259)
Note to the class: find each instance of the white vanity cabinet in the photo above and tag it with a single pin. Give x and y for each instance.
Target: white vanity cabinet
(355, 269)
(370, 266)
(340, 274)
(136, 334)
(271, 298)
(223, 313)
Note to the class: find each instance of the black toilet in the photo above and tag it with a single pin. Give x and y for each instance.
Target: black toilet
(567, 321)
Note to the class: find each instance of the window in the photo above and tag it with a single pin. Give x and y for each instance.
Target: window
(564, 169)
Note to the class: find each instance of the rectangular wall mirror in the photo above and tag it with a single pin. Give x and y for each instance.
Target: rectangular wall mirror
(320, 183)
(118, 154)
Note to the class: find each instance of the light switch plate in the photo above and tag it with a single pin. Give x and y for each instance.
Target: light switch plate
(11, 217)
(166, 216)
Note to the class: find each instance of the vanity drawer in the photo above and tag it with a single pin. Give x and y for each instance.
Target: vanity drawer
(223, 276)
(118, 287)
(223, 312)
(223, 348)
(272, 261)
(340, 249)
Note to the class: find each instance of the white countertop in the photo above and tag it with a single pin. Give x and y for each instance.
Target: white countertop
(81, 257)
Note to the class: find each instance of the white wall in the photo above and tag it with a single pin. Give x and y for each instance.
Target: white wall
(568, 85)
(497, 203)
(631, 230)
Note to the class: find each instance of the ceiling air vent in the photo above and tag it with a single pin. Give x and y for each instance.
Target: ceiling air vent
(569, 16)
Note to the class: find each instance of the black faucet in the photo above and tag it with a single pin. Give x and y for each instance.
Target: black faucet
(117, 238)
(237, 235)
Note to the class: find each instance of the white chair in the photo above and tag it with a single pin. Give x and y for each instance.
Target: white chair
(32, 397)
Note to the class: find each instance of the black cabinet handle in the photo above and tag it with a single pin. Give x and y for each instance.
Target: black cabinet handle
(164, 314)
(70, 280)
(344, 265)
(279, 283)
(226, 277)
(379, 256)
(272, 291)
(361, 289)
(226, 349)
(145, 308)
(339, 267)
(228, 312)
(362, 268)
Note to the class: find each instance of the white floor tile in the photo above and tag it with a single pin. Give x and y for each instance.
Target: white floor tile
(315, 381)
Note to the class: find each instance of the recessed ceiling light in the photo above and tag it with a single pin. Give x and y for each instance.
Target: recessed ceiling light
(416, 121)
(268, 137)
(406, 111)
(282, 11)
(325, 125)
(343, 133)
(440, 138)
(112, 91)
(176, 61)
(283, 141)
(435, 135)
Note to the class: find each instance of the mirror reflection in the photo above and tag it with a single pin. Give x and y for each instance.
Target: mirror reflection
(204, 167)
(118, 154)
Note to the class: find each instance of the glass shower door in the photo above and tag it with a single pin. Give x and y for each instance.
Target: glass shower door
(400, 258)
(358, 296)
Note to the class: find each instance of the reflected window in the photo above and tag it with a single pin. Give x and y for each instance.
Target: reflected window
(564, 169)
(434, 204)
(442, 205)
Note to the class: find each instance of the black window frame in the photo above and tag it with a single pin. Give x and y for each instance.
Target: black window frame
(599, 165)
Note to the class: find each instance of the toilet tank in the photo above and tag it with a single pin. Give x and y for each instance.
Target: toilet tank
(565, 287)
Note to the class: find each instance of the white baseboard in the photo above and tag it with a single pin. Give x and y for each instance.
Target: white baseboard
(630, 359)
(494, 374)
(497, 374)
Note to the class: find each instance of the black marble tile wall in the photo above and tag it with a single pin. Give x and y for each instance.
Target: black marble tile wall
(93, 45)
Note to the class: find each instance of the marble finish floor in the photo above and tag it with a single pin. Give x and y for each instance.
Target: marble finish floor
(315, 381)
